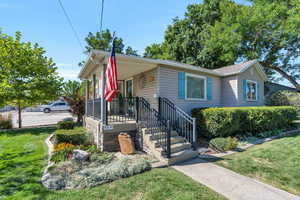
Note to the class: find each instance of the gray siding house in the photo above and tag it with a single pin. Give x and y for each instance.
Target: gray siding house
(185, 85)
(156, 97)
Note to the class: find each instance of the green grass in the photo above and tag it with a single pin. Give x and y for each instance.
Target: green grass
(276, 163)
(23, 158)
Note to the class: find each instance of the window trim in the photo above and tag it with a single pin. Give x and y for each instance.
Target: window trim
(205, 87)
(256, 90)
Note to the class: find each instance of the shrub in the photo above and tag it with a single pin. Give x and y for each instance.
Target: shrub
(224, 122)
(67, 125)
(6, 122)
(76, 136)
(223, 144)
(284, 98)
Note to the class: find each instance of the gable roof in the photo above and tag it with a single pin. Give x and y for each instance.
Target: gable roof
(221, 72)
(241, 67)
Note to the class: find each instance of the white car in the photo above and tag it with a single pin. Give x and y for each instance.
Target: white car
(55, 106)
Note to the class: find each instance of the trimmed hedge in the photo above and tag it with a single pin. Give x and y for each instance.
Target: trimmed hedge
(232, 121)
(76, 136)
(66, 125)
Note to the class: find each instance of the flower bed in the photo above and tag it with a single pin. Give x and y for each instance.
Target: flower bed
(76, 163)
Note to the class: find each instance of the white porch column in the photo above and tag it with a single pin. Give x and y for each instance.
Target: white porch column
(103, 104)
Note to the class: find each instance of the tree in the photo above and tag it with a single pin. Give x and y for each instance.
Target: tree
(130, 51)
(27, 76)
(219, 33)
(103, 41)
(73, 93)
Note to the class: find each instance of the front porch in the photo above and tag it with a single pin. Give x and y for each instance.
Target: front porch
(137, 109)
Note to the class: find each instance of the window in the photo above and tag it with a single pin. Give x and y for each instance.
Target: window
(129, 88)
(251, 90)
(195, 87)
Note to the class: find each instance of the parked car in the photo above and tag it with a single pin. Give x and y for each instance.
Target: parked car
(7, 108)
(55, 106)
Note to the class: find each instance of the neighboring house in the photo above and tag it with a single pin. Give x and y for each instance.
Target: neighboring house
(271, 88)
(171, 88)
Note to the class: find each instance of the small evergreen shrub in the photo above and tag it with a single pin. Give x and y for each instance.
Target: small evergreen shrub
(6, 122)
(224, 122)
(223, 144)
(67, 125)
(76, 136)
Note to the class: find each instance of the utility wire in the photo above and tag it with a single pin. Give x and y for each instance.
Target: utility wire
(101, 16)
(70, 23)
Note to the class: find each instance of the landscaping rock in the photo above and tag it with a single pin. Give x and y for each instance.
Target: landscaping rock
(80, 155)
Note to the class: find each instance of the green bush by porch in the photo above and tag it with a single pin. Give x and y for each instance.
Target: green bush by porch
(76, 136)
(224, 122)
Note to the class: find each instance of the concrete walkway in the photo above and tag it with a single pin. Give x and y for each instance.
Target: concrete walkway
(230, 184)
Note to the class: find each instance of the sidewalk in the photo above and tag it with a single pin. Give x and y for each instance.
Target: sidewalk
(230, 184)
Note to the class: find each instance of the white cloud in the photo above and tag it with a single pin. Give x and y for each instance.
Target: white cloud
(69, 74)
(65, 65)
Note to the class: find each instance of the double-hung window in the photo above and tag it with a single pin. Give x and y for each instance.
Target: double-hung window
(195, 87)
(251, 90)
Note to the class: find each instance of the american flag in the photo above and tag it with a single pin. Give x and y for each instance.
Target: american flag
(111, 84)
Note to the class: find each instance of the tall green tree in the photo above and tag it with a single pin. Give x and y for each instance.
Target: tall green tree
(103, 41)
(219, 33)
(27, 76)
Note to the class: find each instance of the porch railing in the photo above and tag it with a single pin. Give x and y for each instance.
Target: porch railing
(118, 110)
(93, 108)
(122, 109)
(180, 121)
(156, 126)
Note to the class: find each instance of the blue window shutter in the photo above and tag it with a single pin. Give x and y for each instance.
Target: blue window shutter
(181, 85)
(257, 92)
(209, 88)
(245, 89)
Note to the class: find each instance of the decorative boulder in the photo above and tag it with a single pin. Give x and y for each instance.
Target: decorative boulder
(80, 155)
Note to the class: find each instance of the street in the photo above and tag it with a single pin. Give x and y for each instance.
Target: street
(38, 118)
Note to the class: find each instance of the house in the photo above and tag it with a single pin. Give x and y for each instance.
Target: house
(271, 88)
(167, 91)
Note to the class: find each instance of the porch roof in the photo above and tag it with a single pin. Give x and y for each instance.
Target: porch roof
(129, 66)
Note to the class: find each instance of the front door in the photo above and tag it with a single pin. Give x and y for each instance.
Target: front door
(129, 88)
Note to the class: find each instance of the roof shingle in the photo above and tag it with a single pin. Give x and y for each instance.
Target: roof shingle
(234, 69)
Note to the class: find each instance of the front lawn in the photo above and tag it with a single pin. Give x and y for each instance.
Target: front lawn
(23, 158)
(276, 163)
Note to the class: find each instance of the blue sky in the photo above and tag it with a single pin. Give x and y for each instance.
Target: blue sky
(139, 23)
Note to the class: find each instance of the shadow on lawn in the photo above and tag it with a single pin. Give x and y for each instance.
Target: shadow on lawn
(21, 169)
(32, 131)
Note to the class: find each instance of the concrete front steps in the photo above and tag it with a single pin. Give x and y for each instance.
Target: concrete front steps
(181, 150)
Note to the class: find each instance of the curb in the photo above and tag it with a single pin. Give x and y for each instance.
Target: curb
(49, 163)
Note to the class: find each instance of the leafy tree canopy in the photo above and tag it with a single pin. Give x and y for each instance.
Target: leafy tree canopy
(219, 33)
(27, 76)
(103, 41)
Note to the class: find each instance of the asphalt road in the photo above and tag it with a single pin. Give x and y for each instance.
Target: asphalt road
(38, 118)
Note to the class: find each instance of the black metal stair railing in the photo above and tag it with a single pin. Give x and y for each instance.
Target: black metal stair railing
(157, 127)
(180, 121)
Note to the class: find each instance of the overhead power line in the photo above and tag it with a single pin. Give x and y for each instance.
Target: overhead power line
(70, 23)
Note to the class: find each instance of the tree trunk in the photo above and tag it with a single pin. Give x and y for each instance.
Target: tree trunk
(290, 78)
(19, 115)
